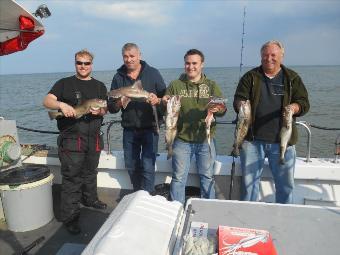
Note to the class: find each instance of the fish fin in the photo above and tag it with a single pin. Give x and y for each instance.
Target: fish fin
(125, 101)
(137, 85)
(54, 115)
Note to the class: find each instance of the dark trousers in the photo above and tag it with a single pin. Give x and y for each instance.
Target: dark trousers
(140, 149)
(79, 178)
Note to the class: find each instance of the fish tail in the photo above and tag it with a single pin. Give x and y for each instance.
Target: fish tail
(210, 151)
(282, 155)
(169, 149)
(54, 115)
(236, 151)
(169, 153)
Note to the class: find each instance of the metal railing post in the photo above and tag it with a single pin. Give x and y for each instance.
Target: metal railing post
(337, 149)
(309, 139)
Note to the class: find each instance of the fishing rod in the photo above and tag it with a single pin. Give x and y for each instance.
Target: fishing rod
(232, 171)
(242, 40)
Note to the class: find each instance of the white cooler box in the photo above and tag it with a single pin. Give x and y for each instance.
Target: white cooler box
(141, 224)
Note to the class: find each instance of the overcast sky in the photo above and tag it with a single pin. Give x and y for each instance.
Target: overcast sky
(166, 29)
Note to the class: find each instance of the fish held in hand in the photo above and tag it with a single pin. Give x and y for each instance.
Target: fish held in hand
(134, 92)
(242, 126)
(286, 131)
(82, 109)
(172, 113)
(128, 93)
(215, 104)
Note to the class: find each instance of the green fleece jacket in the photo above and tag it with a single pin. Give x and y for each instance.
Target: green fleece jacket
(295, 91)
(194, 99)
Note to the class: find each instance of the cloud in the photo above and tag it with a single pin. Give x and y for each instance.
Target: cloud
(294, 8)
(151, 13)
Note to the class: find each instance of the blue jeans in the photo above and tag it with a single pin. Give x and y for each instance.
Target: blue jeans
(181, 159)
(140, 149)
(252, 160)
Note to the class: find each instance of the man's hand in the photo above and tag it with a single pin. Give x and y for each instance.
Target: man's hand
(295, 108)
(101, 111)
(153, 99)
(67, 110)
(165, 99)
(214, 109)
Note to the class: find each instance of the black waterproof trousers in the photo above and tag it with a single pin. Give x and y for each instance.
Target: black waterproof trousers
(79, 157)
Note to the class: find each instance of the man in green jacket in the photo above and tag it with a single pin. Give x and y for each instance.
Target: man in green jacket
(195, 90)
(270, 87)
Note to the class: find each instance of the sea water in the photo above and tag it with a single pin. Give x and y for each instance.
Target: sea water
(21, 97)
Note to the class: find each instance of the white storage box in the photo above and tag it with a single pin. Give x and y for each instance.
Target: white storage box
(140, 225)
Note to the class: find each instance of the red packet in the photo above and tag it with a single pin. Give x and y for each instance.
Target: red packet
(244, 241)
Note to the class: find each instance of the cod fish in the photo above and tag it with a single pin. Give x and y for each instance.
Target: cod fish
(285, 132)
(214, 102)
(82, 109)
(242, 126)
(172, 112)
(134, 92)
(128, 93)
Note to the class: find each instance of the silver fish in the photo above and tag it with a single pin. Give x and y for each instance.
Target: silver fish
(242, 126)
(128, 93)
(134, 92)
(82, 109)
(172, 113)
(214, 102)
(285, 132)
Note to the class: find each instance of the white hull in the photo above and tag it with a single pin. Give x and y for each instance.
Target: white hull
(316, 182)
(9, 13)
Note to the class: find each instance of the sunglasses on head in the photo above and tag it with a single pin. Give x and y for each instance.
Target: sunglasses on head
(79, 63)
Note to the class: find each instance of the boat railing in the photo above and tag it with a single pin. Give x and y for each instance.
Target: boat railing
(309, 138)
(337, 149)
(301, 123)
(108, 137)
